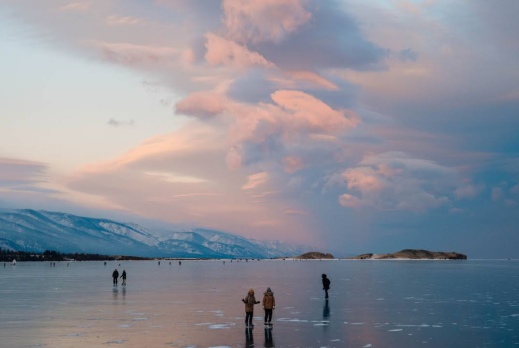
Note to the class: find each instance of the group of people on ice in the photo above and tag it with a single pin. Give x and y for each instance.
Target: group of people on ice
(115, 276)
(269, 303)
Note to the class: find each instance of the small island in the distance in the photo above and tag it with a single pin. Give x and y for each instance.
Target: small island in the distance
(413, 254)
(314, 255)
(406, 254)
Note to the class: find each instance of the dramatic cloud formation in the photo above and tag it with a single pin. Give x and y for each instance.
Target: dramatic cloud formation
(394, 181)
(350, 126)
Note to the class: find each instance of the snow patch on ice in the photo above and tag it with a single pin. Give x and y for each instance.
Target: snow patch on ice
(221, 326)
(115, 342)
(321, 322)
(293, 320)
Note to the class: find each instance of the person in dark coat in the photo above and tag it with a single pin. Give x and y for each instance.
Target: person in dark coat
(326, 285)
(249, 301)
(123, 276)
(115, 275)
(269, 303)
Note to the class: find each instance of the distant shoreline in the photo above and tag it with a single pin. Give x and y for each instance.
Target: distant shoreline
(54, 256)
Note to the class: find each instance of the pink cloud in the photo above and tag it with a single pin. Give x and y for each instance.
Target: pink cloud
(293, 120)
(79, 6)
(313, 79)
(349, 201)
(312, 114)
(263, 20)
(396, 181)
(122, 20)
(363, 179)
(292, 164)
(255, 180)
(296, 212)
(201, 105)
(220, 51)
(182, 177)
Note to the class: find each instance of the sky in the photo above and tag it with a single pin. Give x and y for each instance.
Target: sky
(348, 126)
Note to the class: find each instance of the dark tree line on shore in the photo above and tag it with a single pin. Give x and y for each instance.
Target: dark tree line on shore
(51, 255)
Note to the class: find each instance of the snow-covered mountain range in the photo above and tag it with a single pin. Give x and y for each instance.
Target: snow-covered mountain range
(37, 231)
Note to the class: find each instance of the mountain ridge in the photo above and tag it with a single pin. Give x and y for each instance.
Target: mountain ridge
(40, 230)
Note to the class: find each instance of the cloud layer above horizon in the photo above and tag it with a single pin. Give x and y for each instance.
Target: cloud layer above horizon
(350, 126)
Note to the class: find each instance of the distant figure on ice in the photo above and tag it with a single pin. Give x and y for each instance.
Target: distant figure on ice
(115, 275)
(249, 301)
(269, 304)
(123, 276)
(326, 285)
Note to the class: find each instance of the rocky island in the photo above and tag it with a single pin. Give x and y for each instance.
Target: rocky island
(314, 255)
(413, 254)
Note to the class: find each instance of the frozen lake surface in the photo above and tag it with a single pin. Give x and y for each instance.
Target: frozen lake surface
(472, 303)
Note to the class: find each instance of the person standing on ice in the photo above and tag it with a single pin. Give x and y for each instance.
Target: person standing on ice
(123, 276)
(326, 285)
(269, 303)
(249, 301)
(115, 275)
